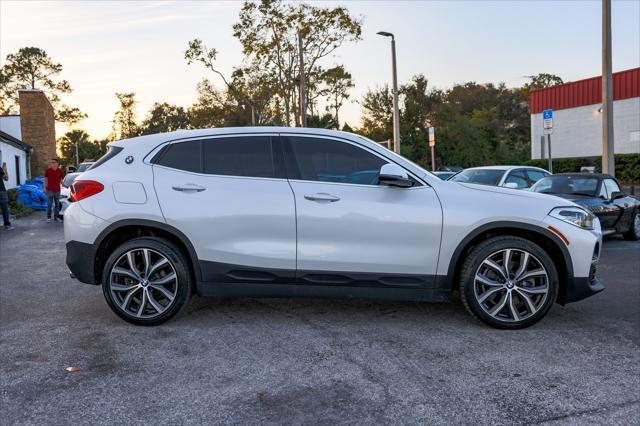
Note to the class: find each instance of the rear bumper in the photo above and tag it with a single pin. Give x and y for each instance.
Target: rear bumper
(80, 260)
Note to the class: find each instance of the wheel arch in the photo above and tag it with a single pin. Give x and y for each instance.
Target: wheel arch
(546, 239)
(124, 230)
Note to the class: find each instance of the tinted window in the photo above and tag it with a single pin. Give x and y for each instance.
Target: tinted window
(535, 175)
(328, 160)
(612, 186)
(482, 176)
(113, 151)
(518, 177)
(183, 156)
(239, 156)
(567, 185)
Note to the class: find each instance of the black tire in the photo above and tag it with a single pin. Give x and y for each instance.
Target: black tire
(474, 260)
(633, 234)
(182, 287)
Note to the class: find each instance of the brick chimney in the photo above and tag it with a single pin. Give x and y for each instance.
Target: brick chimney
(38, 126)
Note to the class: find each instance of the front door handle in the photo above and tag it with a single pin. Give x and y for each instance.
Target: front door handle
(322, 196)
(188, 188)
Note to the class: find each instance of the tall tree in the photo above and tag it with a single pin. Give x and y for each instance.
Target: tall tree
(268, 32)
(86, 149)
(124, 120)
(377, 110)
(32, 68)
(163, 117)
(540, 81)
(338, 82)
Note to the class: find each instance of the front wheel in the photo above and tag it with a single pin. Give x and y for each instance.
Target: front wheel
(508, 282)
(146, 281)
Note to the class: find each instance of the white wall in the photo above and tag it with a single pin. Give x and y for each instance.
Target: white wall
(10, 124)
(577, 132)
(7, 155)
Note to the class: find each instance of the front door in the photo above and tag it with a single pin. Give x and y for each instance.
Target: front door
(353, 231)
(229, 196)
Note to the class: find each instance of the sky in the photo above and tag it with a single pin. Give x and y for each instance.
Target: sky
(138, 46)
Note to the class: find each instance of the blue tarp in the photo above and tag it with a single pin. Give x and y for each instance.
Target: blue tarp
(31, 194)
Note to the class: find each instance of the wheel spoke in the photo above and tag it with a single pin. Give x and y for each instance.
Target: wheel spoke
(132, 264)
(127, 298)
(488, 293)
(534, 290)
(524, 296)
(164, 280)
(484, 280)
(512, 308)
(121, 287)
(121, 271)
(493, 265)
(496, 309)
(157, 306)
(524, 262)
(505, 262)
(143, 302)
(534, 273)
(164, 292)
(160, 263)
(146, 255)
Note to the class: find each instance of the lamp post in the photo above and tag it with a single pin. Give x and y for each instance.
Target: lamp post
(396, 110)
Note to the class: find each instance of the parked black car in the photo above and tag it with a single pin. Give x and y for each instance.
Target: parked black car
(601, 194)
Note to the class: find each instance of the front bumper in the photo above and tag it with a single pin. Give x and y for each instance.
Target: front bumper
(80, 260)
(581, 288)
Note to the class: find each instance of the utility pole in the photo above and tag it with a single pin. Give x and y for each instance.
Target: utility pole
(396, 108)
(303, 93)
(608, 158)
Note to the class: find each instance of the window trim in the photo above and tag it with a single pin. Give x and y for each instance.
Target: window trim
(285, 145)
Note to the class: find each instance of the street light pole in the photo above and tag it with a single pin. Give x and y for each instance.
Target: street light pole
(608, 157)
(396, 108)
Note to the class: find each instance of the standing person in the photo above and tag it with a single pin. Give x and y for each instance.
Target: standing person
(4, 200)
(52, 178)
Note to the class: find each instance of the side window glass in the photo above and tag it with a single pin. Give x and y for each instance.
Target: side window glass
(183, 156)
(612, 186)
(603, 190)
(329, 160)
(519, 178)
(535, 175)
(250, 156)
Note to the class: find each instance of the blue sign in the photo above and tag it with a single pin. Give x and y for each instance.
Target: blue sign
(547, 114)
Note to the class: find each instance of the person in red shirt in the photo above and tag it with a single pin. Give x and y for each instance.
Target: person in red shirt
(52, 178)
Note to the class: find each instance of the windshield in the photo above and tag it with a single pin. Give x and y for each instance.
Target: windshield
(68, 179)
(481, 176)
(571, 185)
(83, 167)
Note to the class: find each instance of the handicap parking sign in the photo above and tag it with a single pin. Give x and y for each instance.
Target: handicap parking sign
(547, 119)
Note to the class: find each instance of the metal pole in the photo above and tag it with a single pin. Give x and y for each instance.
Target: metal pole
(303, 103)
(549, 152)
(608, 157)
(77, 156)
(396, 110)
(433, 158)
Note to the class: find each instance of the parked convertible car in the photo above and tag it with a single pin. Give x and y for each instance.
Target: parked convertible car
(600, 194)
(516, 177)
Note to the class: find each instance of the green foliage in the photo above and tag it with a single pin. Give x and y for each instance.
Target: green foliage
(326, 121)
(87, 149)
(16, 208)
(337, 82)
(164, 118)
(627, 165)
(124, 120)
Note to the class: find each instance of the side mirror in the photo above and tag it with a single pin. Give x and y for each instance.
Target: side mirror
(394, 175)
(511, 185)
(617, 194)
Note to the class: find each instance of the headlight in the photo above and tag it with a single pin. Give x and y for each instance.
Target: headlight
(574, 215)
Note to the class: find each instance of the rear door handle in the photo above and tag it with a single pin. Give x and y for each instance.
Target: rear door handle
(322, 196)
(188, 188)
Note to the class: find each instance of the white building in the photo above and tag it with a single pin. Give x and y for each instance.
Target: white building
(13, 151)
(577, 117)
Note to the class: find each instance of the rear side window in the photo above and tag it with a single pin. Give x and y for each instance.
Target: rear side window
(113, 151)
(328, 160)
(536, 175)
(183, 156)
(250, 156)
(519, 178)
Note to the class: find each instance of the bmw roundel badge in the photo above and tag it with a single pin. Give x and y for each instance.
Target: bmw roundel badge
(129, 159)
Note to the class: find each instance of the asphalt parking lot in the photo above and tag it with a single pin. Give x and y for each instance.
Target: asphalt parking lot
(249, 361)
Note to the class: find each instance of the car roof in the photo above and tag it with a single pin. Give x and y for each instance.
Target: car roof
(504, 168)
(587, 174)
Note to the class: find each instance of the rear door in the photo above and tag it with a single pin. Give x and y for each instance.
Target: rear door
(353, 231)
(229, 196)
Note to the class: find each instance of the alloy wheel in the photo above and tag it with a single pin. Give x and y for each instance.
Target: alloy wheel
(143, 283)
(511, 285)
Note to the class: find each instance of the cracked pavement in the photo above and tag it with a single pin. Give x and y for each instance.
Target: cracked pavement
(257, 361)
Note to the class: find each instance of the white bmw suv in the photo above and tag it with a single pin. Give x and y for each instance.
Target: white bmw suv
(283, 212)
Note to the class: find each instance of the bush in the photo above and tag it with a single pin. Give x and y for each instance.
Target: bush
(627, 166)
(16, 208)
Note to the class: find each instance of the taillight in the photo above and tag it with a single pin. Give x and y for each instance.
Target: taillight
(81, 189)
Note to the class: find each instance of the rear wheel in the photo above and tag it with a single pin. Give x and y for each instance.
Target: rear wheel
(633, 233)
(508, 282)
(146, 281)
